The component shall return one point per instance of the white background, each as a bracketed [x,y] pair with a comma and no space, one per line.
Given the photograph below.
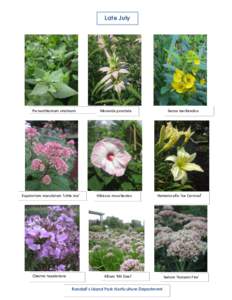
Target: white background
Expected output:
[73,16]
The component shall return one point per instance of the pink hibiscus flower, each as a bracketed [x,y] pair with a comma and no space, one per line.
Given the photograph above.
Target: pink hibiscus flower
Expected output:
[110,155]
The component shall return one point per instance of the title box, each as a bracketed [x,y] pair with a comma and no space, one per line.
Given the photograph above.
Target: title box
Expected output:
[117,18]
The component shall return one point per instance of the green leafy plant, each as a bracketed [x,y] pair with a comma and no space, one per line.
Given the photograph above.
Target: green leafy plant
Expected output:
[51,64]
[124,139]
[176,161]
[180,69]
[114,70]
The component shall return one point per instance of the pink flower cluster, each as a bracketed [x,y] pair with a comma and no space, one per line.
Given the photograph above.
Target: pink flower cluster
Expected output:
[54,155]
[31,133]
[37,165]
[131,265]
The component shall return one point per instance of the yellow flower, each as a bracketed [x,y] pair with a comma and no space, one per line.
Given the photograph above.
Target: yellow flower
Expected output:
[179,87]
[203,81]
[183,82]
[182,165]
[197,61]
[188,133]
[177,77]
[189,81]
[172,140]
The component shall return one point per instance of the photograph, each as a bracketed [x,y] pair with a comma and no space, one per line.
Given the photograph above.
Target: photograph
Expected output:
[180,238]
[182,156]
[52,238]
[115,155]
[180,70]
[114,69]
[116,240]
[51,156]
[51,70]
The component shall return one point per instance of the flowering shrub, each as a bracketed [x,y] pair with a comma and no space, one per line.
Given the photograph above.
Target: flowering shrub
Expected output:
[51,69]
[175,162]
[116,249]
[181,239]
[114,70]
[51,158]
[115,155]
[52,238]
[180,70]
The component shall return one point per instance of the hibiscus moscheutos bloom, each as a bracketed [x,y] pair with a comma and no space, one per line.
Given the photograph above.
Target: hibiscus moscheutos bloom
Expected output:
[109,155]
[183,164]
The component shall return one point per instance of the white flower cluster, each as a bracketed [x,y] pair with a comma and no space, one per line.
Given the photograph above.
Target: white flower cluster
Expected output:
[182,235]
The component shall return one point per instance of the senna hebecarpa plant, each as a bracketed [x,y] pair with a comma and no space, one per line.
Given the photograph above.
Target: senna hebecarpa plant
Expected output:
[180,70]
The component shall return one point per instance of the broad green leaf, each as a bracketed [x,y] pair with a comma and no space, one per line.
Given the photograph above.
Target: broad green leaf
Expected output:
[39,90]
[164,90]
[63,91]
[94,184]
[127,186]
[56,76]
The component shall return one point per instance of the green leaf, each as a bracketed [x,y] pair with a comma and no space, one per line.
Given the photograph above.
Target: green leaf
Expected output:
[107,101]
[164,90]
[95,184]
[56,76]
[134,92]
[137,178]
[39,89]
[63,91]
[126,186]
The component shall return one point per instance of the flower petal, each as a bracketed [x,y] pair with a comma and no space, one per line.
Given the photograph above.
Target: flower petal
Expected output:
[192,167]
[192,157]
[123,158]
[98,154]
[171,158]
[177,173]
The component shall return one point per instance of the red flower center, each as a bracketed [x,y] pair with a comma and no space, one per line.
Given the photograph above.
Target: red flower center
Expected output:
[110,156]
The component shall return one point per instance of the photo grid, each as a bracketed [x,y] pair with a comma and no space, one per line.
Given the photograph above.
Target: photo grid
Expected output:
[92,166]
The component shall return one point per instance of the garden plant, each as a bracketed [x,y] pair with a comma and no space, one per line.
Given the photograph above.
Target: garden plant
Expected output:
[182,156]
[51,156]
[51,238]
[115,156]
[116,246]
[180,69]
[180,238]
[51,69]
[114,70]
